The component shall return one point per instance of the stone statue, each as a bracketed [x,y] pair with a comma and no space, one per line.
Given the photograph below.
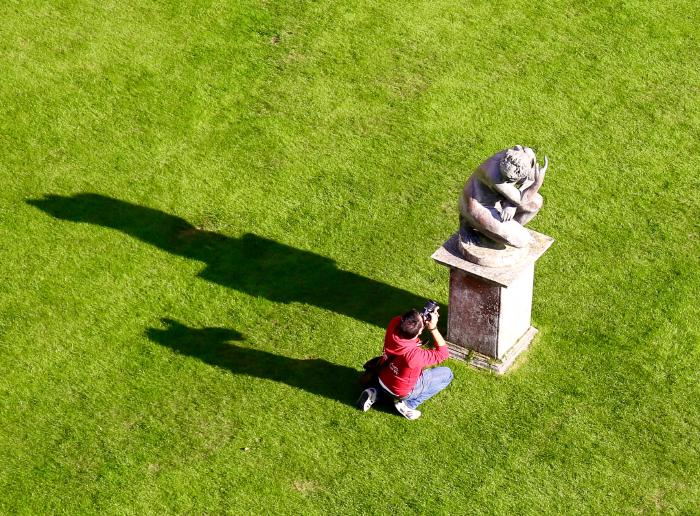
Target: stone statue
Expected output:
[499,198]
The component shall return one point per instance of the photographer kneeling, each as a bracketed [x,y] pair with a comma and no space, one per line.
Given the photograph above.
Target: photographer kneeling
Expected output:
[402,376]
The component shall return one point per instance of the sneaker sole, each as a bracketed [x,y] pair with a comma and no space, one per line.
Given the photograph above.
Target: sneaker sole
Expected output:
[366,401]
[410,414]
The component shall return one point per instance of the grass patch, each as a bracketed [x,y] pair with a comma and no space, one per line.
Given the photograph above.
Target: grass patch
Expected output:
[211,210]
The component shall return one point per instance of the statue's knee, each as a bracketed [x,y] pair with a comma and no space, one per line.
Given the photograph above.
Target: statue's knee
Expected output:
[519,241]
[534,204]
[530,209]
[515,235]
[537,202]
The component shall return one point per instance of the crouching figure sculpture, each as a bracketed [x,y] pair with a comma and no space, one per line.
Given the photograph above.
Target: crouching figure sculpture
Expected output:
[499,198]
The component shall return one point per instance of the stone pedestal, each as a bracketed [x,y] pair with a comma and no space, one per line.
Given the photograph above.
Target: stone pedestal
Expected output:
[488,322]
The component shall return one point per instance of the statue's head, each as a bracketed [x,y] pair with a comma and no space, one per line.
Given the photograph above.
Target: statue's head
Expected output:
[518,163]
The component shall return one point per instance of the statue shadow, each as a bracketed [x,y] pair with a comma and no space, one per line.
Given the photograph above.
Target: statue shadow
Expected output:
[213,346]
[252,264]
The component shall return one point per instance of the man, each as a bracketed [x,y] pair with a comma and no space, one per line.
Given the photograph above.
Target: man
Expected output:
[402,376]
[502,195]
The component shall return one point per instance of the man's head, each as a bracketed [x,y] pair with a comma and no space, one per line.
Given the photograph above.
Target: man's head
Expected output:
[411,324]
[518,163]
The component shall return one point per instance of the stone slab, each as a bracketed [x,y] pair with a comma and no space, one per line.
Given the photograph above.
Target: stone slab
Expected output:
[448,254]
[481,361]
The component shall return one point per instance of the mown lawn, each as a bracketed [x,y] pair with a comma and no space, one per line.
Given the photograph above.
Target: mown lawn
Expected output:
[210,210]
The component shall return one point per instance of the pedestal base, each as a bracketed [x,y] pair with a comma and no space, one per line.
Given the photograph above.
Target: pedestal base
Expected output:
[488,321]
[499,366]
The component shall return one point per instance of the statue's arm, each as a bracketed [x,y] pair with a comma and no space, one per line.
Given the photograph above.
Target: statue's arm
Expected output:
[509,192]
[534,187]
[526,184]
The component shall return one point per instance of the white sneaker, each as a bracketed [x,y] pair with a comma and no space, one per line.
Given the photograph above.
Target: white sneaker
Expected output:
[407,411]
[367,399]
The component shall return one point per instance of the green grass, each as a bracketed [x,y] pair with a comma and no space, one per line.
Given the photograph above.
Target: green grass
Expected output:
[211,209]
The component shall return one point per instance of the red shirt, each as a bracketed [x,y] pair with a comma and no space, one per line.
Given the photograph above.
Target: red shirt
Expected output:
[409,359]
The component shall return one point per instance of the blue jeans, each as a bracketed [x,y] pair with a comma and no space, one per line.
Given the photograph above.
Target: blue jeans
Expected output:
[430,382]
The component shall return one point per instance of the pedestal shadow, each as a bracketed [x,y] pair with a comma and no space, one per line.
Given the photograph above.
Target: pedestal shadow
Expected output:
[251,264]
[213,346]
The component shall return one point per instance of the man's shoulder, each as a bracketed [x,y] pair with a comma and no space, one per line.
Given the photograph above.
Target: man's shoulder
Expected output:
[391,327]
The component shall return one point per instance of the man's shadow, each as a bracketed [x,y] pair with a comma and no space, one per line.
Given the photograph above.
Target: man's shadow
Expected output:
[251,264]
[213,346]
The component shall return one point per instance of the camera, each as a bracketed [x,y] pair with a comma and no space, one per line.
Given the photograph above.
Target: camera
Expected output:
[429,308]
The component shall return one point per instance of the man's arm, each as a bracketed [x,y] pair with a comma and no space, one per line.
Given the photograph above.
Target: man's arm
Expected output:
[420,357]
[432,328]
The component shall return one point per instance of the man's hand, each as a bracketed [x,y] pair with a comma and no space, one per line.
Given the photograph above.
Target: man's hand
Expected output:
[432,326]
[432,323]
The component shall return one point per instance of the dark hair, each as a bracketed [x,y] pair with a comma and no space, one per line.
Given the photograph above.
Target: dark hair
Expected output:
[411,324]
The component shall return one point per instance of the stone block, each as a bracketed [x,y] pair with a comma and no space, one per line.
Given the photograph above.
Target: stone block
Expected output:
[490,307]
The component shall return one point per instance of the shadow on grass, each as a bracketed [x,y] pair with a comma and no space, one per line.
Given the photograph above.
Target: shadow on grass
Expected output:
[213,346]
[251,264]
